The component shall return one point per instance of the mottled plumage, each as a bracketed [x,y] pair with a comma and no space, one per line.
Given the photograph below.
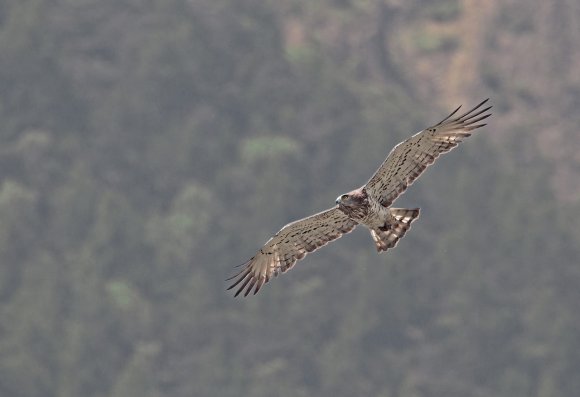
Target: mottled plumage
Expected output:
[368,205]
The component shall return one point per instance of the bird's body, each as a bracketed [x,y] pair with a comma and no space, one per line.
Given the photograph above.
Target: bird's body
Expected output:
[369,205]
[364,209]
[387,225]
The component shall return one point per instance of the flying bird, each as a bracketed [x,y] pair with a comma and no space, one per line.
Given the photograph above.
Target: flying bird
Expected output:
[369,205]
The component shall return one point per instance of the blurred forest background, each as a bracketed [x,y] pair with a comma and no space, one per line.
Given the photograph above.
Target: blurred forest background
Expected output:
[148,146]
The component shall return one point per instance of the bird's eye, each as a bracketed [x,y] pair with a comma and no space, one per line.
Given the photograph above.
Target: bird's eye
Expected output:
[344,197]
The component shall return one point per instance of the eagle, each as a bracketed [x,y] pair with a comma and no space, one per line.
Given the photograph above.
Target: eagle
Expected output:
[369,205]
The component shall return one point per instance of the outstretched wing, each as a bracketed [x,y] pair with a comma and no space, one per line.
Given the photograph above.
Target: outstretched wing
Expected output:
[289,245]
[409,158]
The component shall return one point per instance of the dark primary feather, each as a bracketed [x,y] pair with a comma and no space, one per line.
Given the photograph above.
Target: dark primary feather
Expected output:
[411,157]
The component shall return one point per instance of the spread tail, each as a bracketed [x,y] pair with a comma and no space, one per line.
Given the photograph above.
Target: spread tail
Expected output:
[389,236]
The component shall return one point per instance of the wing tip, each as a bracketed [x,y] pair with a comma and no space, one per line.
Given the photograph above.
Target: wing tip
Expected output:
[450,115]
[467,120]
[462,118]
[249,281]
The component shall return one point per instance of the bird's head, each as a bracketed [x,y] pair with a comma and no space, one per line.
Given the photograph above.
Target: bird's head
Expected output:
[351,199]
[343,199]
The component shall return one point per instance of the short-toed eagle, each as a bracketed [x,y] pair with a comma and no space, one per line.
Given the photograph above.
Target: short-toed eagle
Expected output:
[369,205]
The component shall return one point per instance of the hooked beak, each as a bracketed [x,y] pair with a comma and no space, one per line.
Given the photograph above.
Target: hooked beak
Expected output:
[337,200]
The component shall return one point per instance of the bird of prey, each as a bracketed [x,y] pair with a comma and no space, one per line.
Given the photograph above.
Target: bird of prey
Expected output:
[369,205]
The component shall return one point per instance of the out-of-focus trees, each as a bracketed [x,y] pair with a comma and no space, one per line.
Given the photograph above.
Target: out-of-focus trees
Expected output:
[149,146]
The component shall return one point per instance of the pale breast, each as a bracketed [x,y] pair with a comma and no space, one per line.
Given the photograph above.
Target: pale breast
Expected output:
[371,214]
[376,215]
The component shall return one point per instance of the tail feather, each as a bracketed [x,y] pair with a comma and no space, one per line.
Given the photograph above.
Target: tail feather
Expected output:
[385,239]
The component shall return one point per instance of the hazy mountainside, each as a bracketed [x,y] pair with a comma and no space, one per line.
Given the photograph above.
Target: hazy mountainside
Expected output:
[525,55]
[151,145]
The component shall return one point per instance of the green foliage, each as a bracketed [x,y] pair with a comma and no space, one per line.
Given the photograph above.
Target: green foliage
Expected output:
[267,147]
[430,42]
[442,10]
[516,18]
[150,146]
